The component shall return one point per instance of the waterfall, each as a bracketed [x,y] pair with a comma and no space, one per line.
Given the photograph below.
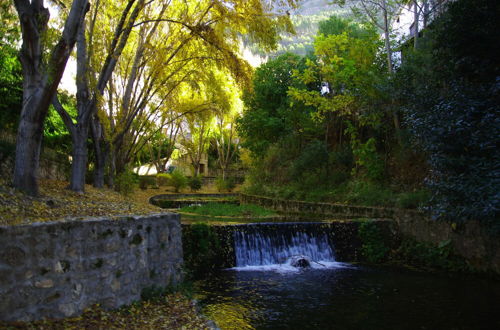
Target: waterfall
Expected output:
[278,244]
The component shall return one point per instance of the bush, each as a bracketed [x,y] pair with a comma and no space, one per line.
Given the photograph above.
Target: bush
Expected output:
[225,184]
[427,255]
[369,194]
[195,183]
[145,182]
[162,179]
[413,200]
[178,180]
[125,183]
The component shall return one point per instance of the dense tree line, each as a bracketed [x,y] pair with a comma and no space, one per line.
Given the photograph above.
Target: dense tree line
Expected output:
[350,123]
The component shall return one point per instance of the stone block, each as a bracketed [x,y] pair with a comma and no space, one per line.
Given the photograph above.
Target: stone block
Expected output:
[44,284]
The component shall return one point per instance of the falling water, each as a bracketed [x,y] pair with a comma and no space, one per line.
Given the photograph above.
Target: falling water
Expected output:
[278,245]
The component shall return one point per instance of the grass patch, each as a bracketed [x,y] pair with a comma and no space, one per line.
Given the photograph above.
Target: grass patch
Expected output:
[229,210]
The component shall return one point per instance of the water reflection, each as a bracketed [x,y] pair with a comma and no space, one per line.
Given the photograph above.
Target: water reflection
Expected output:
[349,298]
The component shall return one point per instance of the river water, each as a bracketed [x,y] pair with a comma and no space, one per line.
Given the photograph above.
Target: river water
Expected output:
[348,297]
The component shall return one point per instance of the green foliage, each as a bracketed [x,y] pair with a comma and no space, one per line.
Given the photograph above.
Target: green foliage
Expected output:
[56,135]
[125,183]
[313,158]
[450,89]
[429,256]
[200,245]
[11,91]
[195,183]
[414,199]
[368,194]
[268,115]
[228,209]
[373,247]
[162,179]
[178,180]
[227,184]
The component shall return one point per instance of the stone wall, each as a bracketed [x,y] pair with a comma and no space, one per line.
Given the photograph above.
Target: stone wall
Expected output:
[471,241]
[336,211]
[57,269]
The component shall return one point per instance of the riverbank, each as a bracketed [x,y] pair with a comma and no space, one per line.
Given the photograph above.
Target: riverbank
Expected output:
[172,311]
[56,202]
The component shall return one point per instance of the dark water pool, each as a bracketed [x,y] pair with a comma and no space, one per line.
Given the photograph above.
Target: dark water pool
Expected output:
[349,298]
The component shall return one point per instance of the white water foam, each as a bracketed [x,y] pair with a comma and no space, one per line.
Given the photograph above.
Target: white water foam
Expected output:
[288,268]
[274,250]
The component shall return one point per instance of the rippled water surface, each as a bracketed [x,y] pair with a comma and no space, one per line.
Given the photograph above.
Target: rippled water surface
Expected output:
[352,297]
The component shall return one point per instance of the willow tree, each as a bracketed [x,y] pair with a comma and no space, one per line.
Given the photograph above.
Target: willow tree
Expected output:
[41,76]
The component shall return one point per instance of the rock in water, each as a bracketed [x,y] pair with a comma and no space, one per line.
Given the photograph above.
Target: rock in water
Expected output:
[300,262]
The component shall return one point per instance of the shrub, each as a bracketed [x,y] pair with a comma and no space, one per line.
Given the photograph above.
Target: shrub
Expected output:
[413,200]
[225,184]
[369,194]
[178,180]
[145,182]
[125,183]
[195,183]
[162,179]
[427,255]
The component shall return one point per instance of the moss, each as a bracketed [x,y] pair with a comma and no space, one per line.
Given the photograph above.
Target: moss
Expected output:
[425,255]
[374,248]
[201,250]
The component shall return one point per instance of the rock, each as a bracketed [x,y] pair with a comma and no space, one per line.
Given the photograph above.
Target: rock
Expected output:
[300,262]
[44,284]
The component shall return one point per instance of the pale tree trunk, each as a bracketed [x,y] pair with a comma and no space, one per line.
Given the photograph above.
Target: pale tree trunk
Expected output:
[415,23]
[387,37]
[79,154]
[112,169]
[40,83]
[100,149]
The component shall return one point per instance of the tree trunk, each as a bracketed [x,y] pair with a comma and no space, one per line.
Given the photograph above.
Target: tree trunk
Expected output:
[111,170]
[415,24]
[40,80]
[28,146]
[100,153]
[79,154]
[388,49]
